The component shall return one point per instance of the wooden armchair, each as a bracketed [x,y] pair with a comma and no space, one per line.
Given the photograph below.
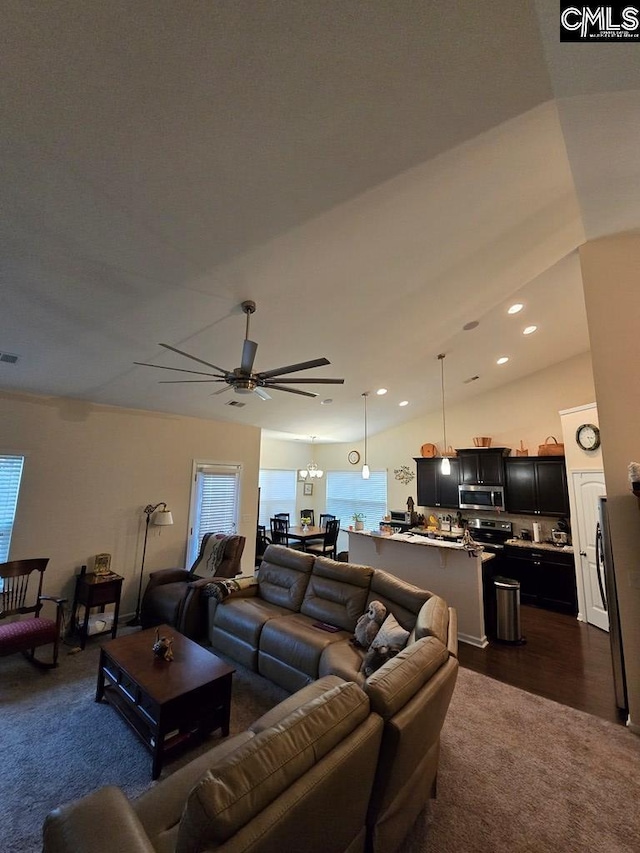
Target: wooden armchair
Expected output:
[21,595]
[172,596]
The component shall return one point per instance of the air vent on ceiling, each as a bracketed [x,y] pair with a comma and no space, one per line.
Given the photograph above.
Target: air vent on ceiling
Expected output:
[236,403]
[8,357]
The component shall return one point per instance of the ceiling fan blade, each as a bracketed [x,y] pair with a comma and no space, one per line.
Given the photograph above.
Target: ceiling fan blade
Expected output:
[184,381]
[293,368]
[193,357]
[221,391]
[262,393]
[249,349]
[291,390]
[314,381]
[179,369]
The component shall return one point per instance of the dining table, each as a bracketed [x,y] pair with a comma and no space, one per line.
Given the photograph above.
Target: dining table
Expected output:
[305,534]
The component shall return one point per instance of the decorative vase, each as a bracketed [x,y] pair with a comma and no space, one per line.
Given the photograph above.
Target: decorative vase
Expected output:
[359,525]
[305,528]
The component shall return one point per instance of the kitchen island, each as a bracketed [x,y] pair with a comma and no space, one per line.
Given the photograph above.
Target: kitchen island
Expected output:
[443,567]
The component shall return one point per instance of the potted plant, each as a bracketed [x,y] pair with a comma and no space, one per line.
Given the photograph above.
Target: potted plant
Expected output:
[306,521]
[358,520]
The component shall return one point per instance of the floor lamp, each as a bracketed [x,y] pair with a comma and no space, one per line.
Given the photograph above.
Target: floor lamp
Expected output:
[162,519]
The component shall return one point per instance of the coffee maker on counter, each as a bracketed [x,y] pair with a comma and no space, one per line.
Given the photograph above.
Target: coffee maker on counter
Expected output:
[560,533]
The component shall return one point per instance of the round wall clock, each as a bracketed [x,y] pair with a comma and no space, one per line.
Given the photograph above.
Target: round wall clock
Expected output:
[588,437]
[353,457]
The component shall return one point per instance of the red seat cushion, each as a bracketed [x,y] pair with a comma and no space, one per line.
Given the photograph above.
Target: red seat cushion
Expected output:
[26,634]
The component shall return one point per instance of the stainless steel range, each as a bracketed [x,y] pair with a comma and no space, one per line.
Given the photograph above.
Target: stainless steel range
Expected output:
[489,533]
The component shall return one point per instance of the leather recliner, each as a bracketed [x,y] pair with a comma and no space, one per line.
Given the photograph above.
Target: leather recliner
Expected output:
[173,596]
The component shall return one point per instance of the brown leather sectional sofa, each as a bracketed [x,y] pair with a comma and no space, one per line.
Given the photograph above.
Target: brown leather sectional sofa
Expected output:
[343,765]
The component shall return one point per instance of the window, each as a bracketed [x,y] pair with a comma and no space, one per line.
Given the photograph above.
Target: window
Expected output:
[10,476]
[214,503]
[277,494]
[348,493]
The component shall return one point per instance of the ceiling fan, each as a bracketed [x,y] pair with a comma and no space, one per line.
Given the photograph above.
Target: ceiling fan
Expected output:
[242,379]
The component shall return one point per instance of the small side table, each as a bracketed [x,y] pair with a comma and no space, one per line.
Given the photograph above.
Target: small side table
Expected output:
[94,590]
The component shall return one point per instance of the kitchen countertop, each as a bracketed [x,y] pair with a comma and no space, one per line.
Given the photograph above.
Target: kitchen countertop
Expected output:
[539,546]
[420,539]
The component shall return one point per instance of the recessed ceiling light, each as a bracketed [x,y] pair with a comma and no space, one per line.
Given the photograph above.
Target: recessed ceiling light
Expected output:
[404,403]
[326,402]
[472,325]
[529,330]
[381,391]
[503,359]
[515,308]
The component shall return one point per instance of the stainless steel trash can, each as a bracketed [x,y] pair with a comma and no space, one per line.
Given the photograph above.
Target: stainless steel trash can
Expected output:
[508,610]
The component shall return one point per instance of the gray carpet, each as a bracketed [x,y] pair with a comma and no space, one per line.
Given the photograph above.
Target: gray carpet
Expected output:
[517,772]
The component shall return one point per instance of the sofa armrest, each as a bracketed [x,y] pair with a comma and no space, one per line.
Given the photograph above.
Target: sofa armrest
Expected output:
[99,823]
[452,642]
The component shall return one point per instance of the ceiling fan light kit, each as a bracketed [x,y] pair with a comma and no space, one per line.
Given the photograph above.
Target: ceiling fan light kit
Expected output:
[243,379]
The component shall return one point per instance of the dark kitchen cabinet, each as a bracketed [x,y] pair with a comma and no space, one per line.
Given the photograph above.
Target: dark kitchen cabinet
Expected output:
[536,485]
[435,488]
[547,578]
[483,466]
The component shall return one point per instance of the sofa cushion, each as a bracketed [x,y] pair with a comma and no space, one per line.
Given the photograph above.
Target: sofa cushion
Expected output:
[391,687]
[342,659]
[292,703]
[433,620]
[283,576]
[230,794]
[402,599]
[244,618]
[297,641]
[337,592]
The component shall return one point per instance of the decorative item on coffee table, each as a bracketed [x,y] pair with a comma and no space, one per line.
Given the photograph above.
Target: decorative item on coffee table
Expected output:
[163,647]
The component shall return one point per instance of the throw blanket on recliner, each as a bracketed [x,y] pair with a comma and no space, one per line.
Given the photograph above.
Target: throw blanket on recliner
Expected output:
[212,556]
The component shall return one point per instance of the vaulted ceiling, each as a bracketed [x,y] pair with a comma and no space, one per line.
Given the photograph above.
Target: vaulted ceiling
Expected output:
[374,175]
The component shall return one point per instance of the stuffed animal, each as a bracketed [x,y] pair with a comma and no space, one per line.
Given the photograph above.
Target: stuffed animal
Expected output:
[369,624]
[163,647]
[375,657]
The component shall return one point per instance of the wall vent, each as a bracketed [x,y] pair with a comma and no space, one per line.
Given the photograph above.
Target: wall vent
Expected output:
[8,357]
[235,403]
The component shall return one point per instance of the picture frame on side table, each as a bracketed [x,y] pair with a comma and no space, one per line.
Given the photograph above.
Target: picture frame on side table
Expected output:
[307,489]
[102,564]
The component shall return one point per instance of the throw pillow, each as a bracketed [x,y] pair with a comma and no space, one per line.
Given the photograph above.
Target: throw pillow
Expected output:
[391,634]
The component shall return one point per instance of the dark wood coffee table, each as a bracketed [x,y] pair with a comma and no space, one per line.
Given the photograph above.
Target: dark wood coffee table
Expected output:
[167,703]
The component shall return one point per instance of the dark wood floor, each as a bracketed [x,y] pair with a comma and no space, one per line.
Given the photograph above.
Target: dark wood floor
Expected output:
[563,659]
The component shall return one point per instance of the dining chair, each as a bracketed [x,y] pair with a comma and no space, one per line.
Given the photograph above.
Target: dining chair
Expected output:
[283,515]
[324,517]
[262,541]
[308,513]
[279,528]
[327,548]
[21,595]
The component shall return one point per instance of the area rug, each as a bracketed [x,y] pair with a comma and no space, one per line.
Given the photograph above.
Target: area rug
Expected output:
[518,773]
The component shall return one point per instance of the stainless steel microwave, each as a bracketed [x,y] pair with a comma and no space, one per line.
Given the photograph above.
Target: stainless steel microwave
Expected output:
[481,497]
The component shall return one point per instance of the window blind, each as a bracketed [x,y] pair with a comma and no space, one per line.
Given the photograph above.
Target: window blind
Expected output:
[277,494]
[215,504]
[10,476]
[348,493]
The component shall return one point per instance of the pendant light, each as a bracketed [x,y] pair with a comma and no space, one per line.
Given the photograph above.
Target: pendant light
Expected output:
[365,468]
[446,465]
[312,469]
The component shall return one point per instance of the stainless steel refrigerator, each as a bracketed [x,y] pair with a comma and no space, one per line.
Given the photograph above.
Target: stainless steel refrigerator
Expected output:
[608,593]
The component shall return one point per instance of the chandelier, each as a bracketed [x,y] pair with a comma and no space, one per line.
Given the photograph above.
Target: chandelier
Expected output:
[312,469]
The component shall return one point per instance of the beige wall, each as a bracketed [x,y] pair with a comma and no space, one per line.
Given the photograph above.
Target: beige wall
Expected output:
[527,409]
[612,297]
[89,472]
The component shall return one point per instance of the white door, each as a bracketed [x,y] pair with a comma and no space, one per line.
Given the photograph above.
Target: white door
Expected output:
[587,488]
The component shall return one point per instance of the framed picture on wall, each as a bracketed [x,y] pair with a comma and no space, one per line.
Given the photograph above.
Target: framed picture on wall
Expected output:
[307,489]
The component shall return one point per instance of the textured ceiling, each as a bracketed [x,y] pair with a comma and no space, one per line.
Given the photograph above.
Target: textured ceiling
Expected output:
[374,176]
